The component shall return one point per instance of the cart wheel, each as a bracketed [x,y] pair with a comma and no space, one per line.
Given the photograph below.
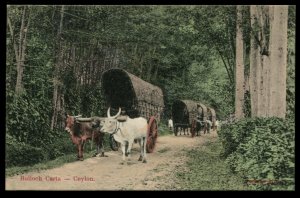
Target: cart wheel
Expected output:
[114,145]
[151,134]
[193,128]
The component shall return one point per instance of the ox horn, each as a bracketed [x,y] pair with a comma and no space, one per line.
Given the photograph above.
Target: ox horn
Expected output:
[84,119]
[108,113]
[78,116]
[117,113]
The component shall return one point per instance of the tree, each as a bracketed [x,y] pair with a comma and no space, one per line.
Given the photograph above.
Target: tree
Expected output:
[57,97]
[20,45]
[268,60]
[239,71]
[278,64]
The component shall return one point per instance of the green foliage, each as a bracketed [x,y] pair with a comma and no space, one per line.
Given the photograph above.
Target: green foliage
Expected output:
[19,153]
[26,120]
[163,128]
[61,145]
[261,148]
[205,170]
[291,65]
[247,105]
[59,161]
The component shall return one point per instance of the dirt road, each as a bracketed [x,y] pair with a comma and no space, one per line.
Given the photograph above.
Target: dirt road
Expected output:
[108,174]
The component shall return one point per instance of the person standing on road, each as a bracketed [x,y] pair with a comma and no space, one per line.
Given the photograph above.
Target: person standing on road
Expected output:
[170,124]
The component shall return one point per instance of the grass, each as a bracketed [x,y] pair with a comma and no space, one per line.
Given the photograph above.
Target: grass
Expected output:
[205,170]
[163,129]
[164,150]
[16,170]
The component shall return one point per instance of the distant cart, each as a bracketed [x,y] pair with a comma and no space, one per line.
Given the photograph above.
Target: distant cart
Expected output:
[137,97]
[184,114]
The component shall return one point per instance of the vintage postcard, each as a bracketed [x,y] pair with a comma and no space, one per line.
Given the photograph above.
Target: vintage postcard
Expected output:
[150,97]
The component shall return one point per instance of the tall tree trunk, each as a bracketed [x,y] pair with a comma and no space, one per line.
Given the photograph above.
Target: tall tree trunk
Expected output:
[56,80]
[268,66]
[268,60]
[263,71]
[20,48]
[278,53]
[259,60]
[239,71]
[254,54]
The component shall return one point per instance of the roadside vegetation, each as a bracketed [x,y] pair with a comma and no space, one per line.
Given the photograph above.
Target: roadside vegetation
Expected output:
[262,150]
[206,170]
[251,154]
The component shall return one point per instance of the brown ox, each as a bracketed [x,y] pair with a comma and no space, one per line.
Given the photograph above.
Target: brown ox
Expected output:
[80,132]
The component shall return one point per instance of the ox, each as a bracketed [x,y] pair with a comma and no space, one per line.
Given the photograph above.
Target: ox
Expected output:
[199,126]
[209,125]
[126,132]
[82,131]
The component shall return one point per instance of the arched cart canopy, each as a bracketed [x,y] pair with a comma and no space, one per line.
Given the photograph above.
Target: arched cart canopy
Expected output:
[184,111]
[211,114]
[136,96]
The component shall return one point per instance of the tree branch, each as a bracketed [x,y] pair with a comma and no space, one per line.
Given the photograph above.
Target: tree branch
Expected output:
[25,38]
[21,33]
[13,39]
[226,67]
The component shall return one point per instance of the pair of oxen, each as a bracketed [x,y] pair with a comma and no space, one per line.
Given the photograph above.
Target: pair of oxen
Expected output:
[124,131]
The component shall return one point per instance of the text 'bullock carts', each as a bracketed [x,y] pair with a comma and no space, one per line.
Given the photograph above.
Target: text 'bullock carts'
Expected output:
[136,97]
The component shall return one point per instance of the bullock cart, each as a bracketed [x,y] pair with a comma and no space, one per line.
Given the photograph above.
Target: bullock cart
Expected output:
[184,114]
[136,97]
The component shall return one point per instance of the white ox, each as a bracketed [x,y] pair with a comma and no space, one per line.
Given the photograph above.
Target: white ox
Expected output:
[126,132]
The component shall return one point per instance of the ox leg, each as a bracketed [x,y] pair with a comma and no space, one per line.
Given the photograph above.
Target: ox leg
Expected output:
[126,148]
[141,146]
[124,152]
[129,150]
[96,141]
[144,149]
[100,146]
[80,151]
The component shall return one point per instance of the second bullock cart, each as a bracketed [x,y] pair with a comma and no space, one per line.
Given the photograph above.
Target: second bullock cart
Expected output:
[184,114]
[136,97]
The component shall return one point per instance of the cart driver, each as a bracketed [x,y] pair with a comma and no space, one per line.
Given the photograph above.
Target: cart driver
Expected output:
[170,124]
